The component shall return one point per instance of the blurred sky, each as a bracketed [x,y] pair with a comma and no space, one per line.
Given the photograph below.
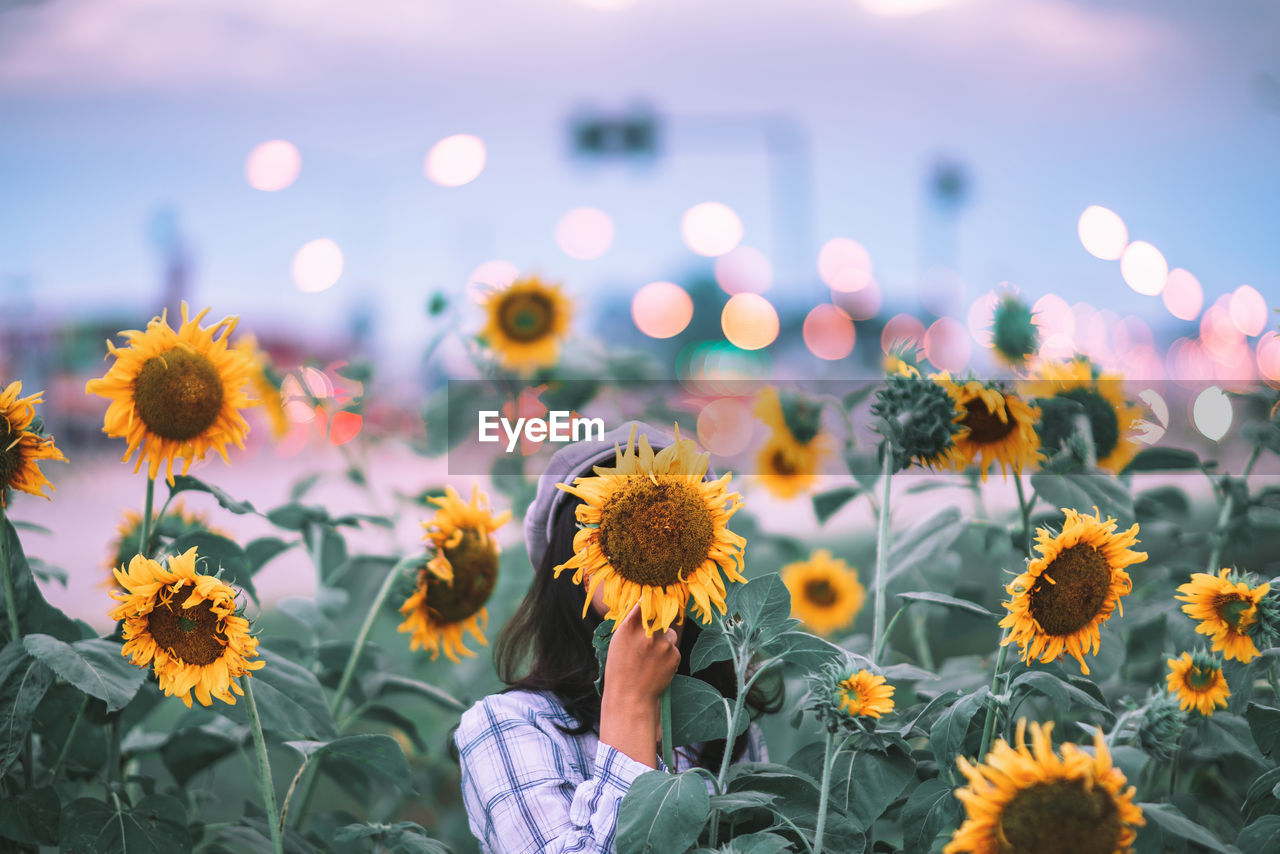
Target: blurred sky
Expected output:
[111,109]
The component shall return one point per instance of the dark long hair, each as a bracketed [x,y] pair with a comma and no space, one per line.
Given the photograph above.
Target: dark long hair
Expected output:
[546,646]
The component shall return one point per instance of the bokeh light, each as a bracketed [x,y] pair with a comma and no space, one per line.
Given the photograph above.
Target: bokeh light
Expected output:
[661,309]
[1218,332]
[1182,294]
[859,305]
[492,275]
[829,332]
[1269,356]
[744,270]
[725,426]
[1132,334]
[946,344]
[1212,413]
[941,291]
[844,265]
[902,329]
[749,321]
[982,314]
[344,426]
[272,165]
[584,233]
[1102,232]
[1248,310]
[317,266]
[711,229]
[455,160]
[1057,326]
[1144,268]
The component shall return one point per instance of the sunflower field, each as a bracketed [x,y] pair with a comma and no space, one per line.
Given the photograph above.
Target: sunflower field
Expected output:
[1004,614]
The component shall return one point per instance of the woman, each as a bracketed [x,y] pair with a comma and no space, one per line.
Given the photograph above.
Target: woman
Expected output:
[546,763]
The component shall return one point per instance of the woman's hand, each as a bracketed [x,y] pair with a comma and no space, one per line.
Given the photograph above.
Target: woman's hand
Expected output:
[637,671]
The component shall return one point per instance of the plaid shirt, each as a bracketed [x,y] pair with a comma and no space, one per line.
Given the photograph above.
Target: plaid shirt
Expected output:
[529,787]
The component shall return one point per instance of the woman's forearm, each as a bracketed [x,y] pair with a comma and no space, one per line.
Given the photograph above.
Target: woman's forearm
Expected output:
[629,724]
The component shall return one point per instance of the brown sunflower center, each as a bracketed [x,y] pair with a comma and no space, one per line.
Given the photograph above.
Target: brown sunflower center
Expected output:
[178,394]
[820,592]
[1080,582]
[656,533]
[1062,817]
[526,316]
[475,573]
[191,634]
[780,463]
[985,427]
[10,457]
[1202,678]
[1235,611]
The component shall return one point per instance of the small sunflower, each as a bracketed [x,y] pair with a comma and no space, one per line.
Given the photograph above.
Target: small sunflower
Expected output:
[21,448]
[918,420]
[825,592]
[790,457]
[1068,592]
[864,694]
[1109,413]
[1198,682]
[652,530]
[176,393]
[1033,801]
[175,523]
[1001,427]
[186,625]
[1227,608]
[1014,334]
[457,581]
[526,322]
[266,384]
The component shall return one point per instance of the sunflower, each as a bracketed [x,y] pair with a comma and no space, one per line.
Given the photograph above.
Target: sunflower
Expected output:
[176,393]
[1227,608]
[825,592]
[652,530]
[1198,682]
[1071,589]
[1033,801]
[796,446]
[918,419]
[864,694]
[526,322]
[186,624]
[1109,413]
[1001,426]
[266,384]
[1015,337]
[458,579]
[175,523]
[21,448]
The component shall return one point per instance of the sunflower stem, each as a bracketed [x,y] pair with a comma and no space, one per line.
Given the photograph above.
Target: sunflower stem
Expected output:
[1024,509]
[989,723]
[66,745]
[888,631]
[664,714]
[882,556]
[824,792]
[363,636]
[144,530]
[1224,516]
[10,605]
[265,786]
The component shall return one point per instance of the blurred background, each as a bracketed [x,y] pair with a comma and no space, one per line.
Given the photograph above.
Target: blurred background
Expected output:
[785,187]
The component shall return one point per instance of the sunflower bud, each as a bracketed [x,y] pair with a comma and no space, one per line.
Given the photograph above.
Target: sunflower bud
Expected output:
[919,420]
[1160,725]
[843,694]
[1014,335]
[802,416]
[1267,627]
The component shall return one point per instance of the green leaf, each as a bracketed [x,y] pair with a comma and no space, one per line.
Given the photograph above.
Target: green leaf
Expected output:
[294,516]
[264,549]
[1058,690]
[24,679]
[710,647]
[925,539]
[732,802]
[186,483]
[1163,459]
[191,750]
[600,639]
[332,550]
[381,684]
[1083,491]
[290,700]
[662,813]
[35,614]
[827,504]
[31,817]
[931,809]
[951,727]
[1264,723]
[949,601]
[1261,789]
[157,825]
[801,649]
[1171,819]
[759,843]
[380,753]
[698,713]
[404,837]
[302,486]
[1261,837]
[218,553]
[763,603]
[94,666]
[866,782]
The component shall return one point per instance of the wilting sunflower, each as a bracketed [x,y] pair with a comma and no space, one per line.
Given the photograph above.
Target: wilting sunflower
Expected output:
[652,530]
[825,592]
[176,393]
[1001,427]
[175,523]
[864,694]
[459,577]
[1071,589]
[266,384]
[1033,801]
[790,457]
[526,322]
[21,448]
[1227,608]
[186,625]
[1198,682]
[1109,413]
